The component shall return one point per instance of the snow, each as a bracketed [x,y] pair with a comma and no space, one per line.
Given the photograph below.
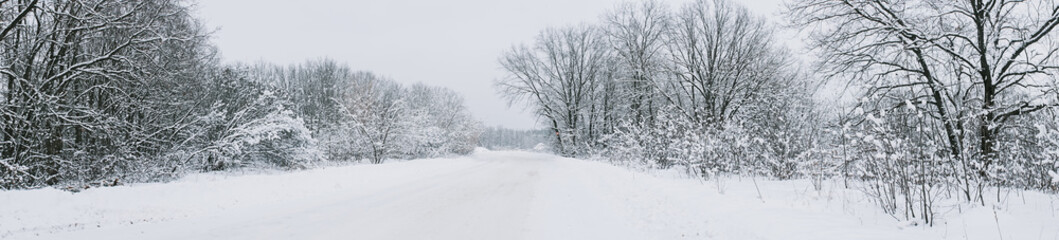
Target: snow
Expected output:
[495,195]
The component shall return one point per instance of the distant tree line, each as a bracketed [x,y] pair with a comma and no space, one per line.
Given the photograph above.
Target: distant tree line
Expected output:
[100,92]
[499,138]
[951,97]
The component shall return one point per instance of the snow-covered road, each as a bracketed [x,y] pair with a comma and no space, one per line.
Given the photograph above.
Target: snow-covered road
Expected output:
[489,195]
[477,200]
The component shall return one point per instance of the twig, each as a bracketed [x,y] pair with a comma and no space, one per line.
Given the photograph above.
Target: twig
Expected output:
[997,219]
[754,179]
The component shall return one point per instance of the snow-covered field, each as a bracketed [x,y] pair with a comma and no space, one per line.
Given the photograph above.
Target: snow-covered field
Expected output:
[494,195]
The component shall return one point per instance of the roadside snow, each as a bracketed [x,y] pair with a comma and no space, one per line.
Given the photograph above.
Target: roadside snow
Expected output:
[494,195]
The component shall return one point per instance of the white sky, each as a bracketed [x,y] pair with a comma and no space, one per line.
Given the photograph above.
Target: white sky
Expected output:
[452,43]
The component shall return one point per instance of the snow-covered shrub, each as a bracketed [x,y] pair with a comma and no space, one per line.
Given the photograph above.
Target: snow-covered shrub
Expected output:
[626,145]
[1048,163]
[340,143]
[1026,153]
[250,125]
[277,139]
[900,162]
[542,148]
[673,140]
[670,141]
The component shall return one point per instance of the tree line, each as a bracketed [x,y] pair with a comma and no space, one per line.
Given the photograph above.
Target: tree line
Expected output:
[101,92]
[694,86]
[500,138]
[951,98]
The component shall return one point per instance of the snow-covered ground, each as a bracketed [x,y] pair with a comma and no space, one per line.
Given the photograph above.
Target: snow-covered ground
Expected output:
[493,195]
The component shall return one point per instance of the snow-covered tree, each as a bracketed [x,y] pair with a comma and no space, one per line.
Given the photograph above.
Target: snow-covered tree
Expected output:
[376,111]
[95,88]
[563,77]
[975,69]
[441,123]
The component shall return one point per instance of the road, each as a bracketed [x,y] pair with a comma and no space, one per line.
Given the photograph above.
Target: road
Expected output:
[496,196]
[489,195]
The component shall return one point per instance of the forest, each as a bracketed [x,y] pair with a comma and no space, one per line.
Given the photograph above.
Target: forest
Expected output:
[107,92]
[948,98]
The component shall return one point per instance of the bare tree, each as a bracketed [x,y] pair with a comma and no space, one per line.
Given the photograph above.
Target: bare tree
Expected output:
[723,58]
[637,33]
[562,77]
[973,65]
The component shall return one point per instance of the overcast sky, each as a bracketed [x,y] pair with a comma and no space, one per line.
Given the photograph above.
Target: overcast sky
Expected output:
[452,43]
